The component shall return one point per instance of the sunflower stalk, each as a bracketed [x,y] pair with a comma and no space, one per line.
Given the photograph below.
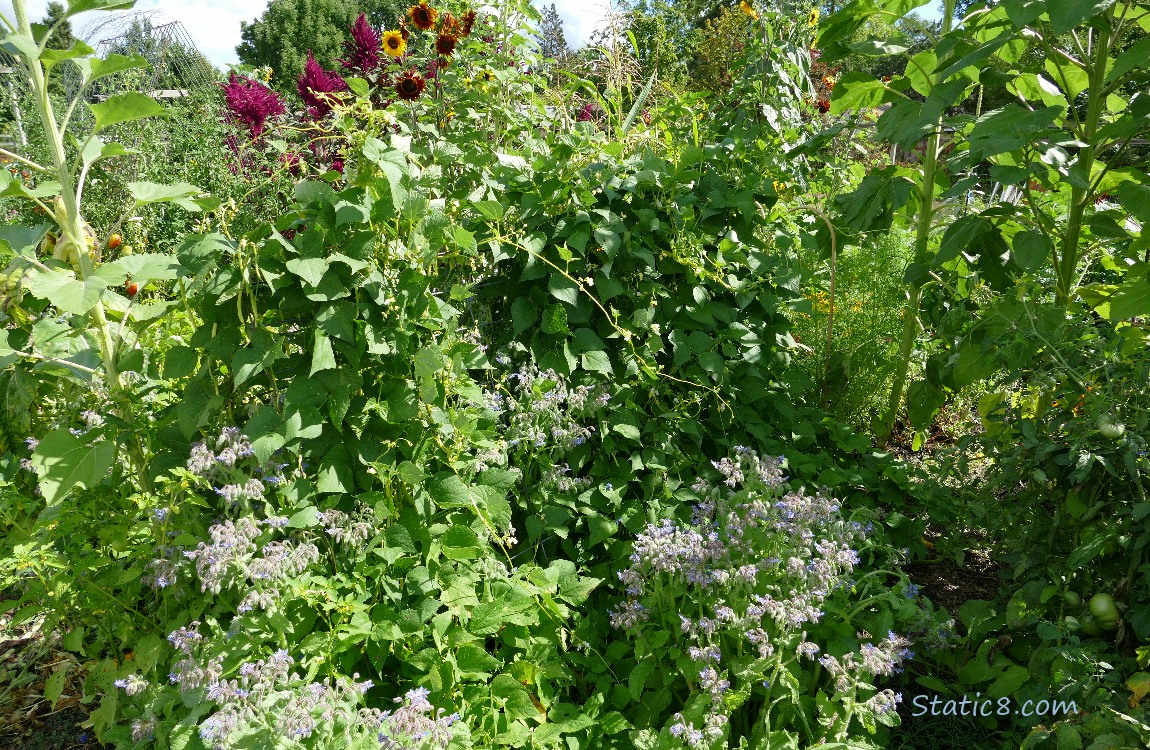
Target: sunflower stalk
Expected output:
[925,220]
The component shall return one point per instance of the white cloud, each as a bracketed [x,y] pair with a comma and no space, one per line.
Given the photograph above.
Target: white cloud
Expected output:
[580,18]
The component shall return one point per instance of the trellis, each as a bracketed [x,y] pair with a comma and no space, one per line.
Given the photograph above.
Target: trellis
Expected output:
[167,47]
[8,72]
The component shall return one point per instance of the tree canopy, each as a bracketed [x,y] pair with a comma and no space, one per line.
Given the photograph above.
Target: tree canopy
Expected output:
[288,29]
[63,37]
[552,38]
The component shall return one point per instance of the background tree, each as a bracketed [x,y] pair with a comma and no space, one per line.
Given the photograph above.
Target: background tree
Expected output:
[282,36]
[552,39]
[668,36]
[62,38]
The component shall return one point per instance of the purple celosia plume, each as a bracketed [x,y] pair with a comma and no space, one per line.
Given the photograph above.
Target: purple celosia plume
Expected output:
[363,49]
[251,103]
[316,87]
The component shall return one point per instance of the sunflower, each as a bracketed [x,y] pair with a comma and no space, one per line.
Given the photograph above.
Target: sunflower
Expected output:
[468,22]
[813,18]
[449,26]
[394,44]
[445,44]
[423,16]
[410,85]
[749,10]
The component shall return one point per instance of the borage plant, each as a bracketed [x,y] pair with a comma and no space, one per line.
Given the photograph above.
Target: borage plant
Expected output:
[744,597]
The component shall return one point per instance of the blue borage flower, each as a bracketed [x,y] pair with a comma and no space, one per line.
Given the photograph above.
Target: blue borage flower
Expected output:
[716,565]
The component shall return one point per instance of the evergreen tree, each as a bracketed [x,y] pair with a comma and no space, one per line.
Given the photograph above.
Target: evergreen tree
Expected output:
[62,37]
[282,36]
[552,39]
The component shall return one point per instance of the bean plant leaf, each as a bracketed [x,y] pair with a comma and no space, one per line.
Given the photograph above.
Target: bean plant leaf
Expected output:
[125,108]
[555,320]
[63,461]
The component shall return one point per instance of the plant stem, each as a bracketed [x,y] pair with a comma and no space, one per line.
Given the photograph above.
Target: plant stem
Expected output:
[1081,196]
[910,324]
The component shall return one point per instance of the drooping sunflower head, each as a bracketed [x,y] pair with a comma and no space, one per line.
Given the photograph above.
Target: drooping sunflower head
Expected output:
[394,45]
[409,85]
[445,44]
[468,22]
[422,16]
[449,25]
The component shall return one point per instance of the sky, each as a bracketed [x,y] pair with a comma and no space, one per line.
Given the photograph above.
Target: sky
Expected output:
[214,25]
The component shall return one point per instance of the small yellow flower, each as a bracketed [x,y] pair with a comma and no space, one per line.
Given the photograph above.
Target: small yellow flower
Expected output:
[813,18]
[394,45]
[749,9]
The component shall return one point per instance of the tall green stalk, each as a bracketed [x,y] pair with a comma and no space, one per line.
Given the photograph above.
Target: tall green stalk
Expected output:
[924,222]
[71,224]
[1081,195]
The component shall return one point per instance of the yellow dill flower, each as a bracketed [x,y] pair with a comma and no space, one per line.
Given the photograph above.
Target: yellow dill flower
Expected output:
[748,9]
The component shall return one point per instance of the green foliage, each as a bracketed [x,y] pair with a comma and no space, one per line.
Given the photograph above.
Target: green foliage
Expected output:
[288,29]
[408,421]
[56,17]
[1033,309]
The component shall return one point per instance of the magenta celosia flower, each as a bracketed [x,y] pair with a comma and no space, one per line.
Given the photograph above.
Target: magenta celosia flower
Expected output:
[250,103]
[317,86]
[363,49]
[586,114]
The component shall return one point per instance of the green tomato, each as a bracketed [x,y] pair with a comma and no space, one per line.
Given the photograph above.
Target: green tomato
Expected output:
[1109,428]
[1071,598]
[1088,625]
[1104,609]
